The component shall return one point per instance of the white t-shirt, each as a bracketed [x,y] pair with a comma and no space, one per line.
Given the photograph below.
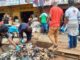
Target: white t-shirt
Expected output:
[35,26]
[72,15]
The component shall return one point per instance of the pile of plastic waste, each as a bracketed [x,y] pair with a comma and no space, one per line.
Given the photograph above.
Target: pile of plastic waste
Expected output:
[28,52]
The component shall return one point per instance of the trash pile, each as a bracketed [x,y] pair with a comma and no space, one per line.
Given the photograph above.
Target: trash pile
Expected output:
[28,52]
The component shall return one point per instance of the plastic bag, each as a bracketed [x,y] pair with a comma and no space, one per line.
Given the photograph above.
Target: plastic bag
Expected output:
[63,28]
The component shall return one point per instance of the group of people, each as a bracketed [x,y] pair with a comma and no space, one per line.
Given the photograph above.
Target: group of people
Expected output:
[71,20]
[49,23]
[8,31]
[39,24]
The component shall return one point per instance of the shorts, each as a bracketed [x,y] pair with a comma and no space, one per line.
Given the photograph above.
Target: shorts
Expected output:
[10,35]
[2,36]
[5,35]
[53,31]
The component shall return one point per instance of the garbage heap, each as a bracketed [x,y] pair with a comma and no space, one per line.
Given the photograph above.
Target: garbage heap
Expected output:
[29,52]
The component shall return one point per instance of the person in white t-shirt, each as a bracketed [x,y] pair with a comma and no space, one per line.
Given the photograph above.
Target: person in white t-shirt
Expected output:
[35,27]
[71,19]
[35,24]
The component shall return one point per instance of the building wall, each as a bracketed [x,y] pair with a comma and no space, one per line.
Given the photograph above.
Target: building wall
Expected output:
[15,10]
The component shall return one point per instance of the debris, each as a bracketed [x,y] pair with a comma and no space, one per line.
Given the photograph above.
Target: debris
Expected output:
[28,52]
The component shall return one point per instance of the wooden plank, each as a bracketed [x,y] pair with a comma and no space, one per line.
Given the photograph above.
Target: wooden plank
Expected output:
[66,55]
[71,52]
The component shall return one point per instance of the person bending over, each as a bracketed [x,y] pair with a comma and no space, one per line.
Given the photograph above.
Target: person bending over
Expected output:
[25,28]
[4,32]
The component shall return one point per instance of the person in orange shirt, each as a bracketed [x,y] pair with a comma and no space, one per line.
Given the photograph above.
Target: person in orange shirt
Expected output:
[55,16]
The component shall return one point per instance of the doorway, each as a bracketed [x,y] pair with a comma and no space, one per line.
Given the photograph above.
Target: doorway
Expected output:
[25,15]
[1,16]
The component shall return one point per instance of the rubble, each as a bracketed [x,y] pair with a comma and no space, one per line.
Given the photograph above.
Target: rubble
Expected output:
[29,52]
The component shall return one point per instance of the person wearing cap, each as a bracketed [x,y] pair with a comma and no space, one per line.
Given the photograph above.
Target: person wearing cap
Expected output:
[71,19]
[55,17]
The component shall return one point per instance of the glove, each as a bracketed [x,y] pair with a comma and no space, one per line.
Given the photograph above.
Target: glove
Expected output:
[18,48]
[22,41]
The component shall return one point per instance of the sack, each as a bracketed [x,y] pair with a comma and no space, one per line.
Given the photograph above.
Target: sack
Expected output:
[63,28]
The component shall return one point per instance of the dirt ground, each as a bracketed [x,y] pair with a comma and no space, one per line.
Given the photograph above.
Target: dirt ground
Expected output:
[63,43]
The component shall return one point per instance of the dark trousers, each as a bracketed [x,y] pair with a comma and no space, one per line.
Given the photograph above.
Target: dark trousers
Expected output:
[44,27]
[28,34]
[0,40]
[72,41]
